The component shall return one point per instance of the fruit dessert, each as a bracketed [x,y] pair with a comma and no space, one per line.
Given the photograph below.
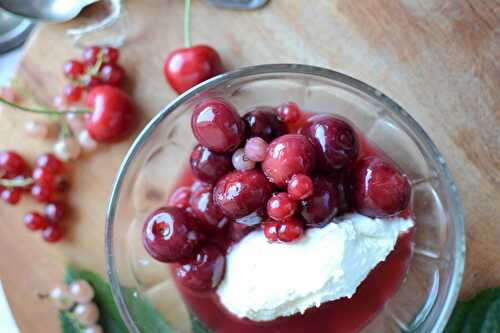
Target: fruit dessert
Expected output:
[285,221]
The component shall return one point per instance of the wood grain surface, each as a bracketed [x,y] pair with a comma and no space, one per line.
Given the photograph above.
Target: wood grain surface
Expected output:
[439,59]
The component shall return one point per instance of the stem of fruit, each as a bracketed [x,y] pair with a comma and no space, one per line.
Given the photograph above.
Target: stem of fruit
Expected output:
[42,111]
[10,183]
[187,25]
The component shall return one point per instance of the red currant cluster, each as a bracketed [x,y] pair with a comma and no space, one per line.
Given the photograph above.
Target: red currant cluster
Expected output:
[44,184]
[99,66]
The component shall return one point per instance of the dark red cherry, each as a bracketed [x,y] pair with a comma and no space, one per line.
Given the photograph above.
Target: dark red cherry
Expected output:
[205,209]
[12,164]
[322,205]
[379,188]
[180,198]
[263,122]
[288,155]
[217,126]
[205,271]
[241,193]
[238,231]
[209,166]
[35,221]
[334,141]
[290,230]
[281,206]
[167,235]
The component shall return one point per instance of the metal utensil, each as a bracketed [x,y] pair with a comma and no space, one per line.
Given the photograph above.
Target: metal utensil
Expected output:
[238,4]
[46,10]
[13,30]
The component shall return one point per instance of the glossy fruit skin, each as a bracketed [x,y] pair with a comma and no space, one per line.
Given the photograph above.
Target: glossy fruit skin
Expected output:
[217,126]
[54,211]
[111,74]
[379,188]
[209,166]
[51,162]
[288,155]
[241,193]
[300,186]
[44,177]
[186,67]
[52,233]
[288,230]
[35,221]
[271,228]
[113,114]
[72,93]
[73,69]
[167,235]
[110,54]
[205,271]
[281,206]
[12,164]
[322,205]
[289,112]
[180,198]
[11,196]
[334,140]
[208,213]
[263,122]
[237,231]
[90,54]
[41,193]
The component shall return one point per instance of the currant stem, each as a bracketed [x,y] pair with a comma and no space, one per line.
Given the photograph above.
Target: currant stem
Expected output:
[187,25]
[10,183]
[42,111]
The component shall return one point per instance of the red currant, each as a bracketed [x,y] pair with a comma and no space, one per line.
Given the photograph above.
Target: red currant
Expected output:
[290,230]
[41,193]
[52,233]
[11,196]
[289,112]
[271,230]
[90,54]
[12,164]
[50,162]
[43,177]
[73,69]
[111,74]
[180,197]
[300,186]
[110,54]
[281,206]
[54,211]
[35,221]
[72,93]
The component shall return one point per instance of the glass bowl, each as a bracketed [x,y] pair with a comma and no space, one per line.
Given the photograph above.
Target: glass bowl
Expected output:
[160,153]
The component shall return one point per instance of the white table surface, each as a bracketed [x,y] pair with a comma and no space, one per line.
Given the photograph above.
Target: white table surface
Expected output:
[8,63]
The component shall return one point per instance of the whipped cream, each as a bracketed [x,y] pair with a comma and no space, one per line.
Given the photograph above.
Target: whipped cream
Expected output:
[264,281]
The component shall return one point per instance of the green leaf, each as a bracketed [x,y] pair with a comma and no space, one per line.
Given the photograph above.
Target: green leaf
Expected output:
[68,324]
[146,316]
[481,314]
[196,325]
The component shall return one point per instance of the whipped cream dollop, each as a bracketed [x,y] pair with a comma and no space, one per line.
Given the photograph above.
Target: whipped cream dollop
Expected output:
[264,280]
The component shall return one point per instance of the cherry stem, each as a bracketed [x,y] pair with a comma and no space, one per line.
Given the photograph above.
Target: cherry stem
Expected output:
[187,25]
[10,183]
[42,111]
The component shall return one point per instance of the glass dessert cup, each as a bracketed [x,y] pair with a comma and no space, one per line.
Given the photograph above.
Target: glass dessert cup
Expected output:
[160,155]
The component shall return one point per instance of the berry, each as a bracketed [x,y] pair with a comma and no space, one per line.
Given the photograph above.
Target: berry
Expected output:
[241,193]
[81,291]
[379,188]
[111,74]
[334,140]
[300,186]
[90,81]
[217,126]
[110,55]
[54,211]
[206,211]
[255,149]
[271,230]
[209,166]
[52,233]
[238,231]
[73,69]
[180,197]
[290,230]
[184,68]
[43,177]
[35,221]
[12,164]
[11,196]
[60,297]
[289,112]
[41,193]
[87,314]
[281,206]
[113,114]
[322,205]
[72,93]
[263,122]
[37,129]
[288,155]
[167,235]
[90,55]
[241,162]
[67,149]
[205,271]
[50,162]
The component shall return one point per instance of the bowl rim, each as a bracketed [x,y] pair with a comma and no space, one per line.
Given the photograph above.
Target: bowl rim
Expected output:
[392,106]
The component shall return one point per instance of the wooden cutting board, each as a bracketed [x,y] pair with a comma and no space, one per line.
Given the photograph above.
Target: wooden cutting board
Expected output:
[439,59]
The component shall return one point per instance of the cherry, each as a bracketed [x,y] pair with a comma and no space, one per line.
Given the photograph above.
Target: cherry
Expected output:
[50,162]
[90,55]
[72,93]
[290,230]
[35,221]
[180,197]
[44,177]
[11,196]
[110,55]
[344,187]
[113,114]
[52,233]
[111,74]
[281,206]
[168,236]
[206,211]
[241,193]
[288,155]
[54,211]
[186,67]
[379,188]
[217,126]
[263,122]
[322,205]
[209,166]
[205,271]
[199,186]
[300,187]
[12,164]
[73,69]
[42,193]
[334,141]
[289,112]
